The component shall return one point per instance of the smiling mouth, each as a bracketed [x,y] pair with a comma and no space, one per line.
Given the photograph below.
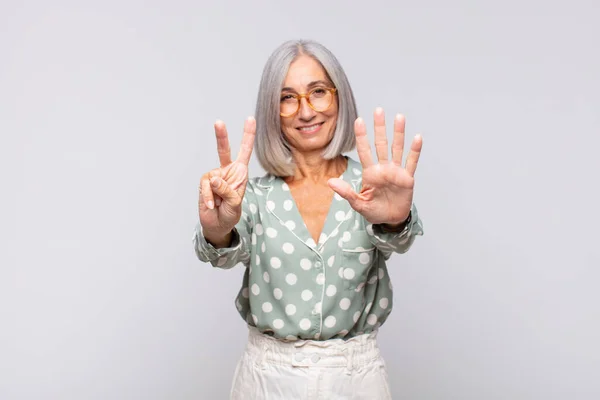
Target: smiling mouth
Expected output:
[311,129]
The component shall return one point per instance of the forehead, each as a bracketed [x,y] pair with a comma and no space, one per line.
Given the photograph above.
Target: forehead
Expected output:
[303,71]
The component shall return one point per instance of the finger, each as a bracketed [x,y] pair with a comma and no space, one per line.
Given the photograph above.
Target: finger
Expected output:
[222,143]
[362,143]
[398,143]
[206,193]
[247,141]
[223,190]
[344,189]
[413,157]
[381,143]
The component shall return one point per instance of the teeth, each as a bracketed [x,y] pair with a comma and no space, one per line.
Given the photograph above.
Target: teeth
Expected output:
[309,128]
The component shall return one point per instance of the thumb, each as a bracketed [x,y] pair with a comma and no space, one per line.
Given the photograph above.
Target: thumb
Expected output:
[344,189]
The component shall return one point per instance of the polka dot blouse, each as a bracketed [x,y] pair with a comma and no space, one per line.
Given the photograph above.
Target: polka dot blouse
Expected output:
[294,288]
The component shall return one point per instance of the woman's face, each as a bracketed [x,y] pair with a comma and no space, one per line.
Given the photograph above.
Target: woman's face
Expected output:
[308,130]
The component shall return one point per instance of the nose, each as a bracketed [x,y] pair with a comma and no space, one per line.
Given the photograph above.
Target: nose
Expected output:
[305,113]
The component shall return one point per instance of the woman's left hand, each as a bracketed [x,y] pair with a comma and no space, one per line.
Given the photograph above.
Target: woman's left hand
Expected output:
[387,187]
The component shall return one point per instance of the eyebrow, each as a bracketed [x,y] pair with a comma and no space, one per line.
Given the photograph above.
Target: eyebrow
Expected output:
[309,86]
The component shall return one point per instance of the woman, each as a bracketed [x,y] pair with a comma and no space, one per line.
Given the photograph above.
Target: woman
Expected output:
[314,233]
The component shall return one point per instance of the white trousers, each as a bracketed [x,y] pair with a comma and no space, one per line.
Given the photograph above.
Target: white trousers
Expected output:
[335,369]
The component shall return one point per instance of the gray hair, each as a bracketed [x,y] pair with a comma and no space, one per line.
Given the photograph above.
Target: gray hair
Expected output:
[271,147]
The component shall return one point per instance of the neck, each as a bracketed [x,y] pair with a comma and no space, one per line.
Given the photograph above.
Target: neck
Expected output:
[312,167]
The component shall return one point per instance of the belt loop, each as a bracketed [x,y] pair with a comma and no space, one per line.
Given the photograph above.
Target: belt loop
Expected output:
[349,360]
[263,354]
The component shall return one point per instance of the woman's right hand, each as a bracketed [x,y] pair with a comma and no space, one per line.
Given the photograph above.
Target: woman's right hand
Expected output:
[222,189]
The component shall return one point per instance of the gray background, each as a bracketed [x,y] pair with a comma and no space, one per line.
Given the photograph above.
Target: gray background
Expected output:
[106,114]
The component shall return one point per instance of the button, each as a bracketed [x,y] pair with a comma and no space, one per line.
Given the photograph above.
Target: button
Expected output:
[315,358]
[318,264]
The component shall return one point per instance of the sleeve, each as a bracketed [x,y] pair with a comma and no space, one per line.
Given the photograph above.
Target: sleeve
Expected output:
[396,242]
[238,251]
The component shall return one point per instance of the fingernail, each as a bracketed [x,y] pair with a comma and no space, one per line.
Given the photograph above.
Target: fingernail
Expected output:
[379,110]
[210,204]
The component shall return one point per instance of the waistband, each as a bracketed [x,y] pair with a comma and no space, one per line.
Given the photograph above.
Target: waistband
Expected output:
[353,353]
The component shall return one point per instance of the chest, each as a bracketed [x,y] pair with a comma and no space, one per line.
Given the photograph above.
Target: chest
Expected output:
[313,204]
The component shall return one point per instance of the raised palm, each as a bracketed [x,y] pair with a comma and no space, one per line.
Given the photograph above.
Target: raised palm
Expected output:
[387,187]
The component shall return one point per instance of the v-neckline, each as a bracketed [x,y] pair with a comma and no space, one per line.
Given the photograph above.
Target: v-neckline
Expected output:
[337,212]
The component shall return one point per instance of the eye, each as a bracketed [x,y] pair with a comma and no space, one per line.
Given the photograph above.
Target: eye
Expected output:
[287,97]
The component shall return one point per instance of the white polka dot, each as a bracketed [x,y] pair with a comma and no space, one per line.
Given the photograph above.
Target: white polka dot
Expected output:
[290,309]
[321,278]
[330,321]
[317,335]
[345,303]
[346,236]
[322,238]
[349,215]
[370,229]
[277,293]
[368,307]
[253,238]
[266,277]
[372,319]
[267,307]
[270,205]
[341,272]
[381,273]
[248,188]
[291,279]
[338,197]
[311,242]
[343,332]
[355,227]
[255,290]
[291,225]
[383,303]
[305,324]
[278,324]
[287,205]
[263,247]
[359,287]
[257,262]
[285,187]
[253,208]
[319,307]
[356,171]
[275,262]
[271,232]
[356,316]
[330,261]
[364,258]
[390,285]
[331,290]
[334,232]
[245,293]
[259,229]
[258,192]
[348,273]
[339,216]
[306,295]
[222,261]
[341,242]
[238,305]
[373,279]
[255,319]
[305,264]
[288,248]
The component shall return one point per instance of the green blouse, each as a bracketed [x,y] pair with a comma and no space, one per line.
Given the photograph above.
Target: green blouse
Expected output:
[294,288]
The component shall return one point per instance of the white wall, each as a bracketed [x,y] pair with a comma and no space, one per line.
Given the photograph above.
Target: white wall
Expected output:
[106,116]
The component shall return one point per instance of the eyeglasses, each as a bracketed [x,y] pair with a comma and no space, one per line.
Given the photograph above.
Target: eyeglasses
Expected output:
[319,99]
